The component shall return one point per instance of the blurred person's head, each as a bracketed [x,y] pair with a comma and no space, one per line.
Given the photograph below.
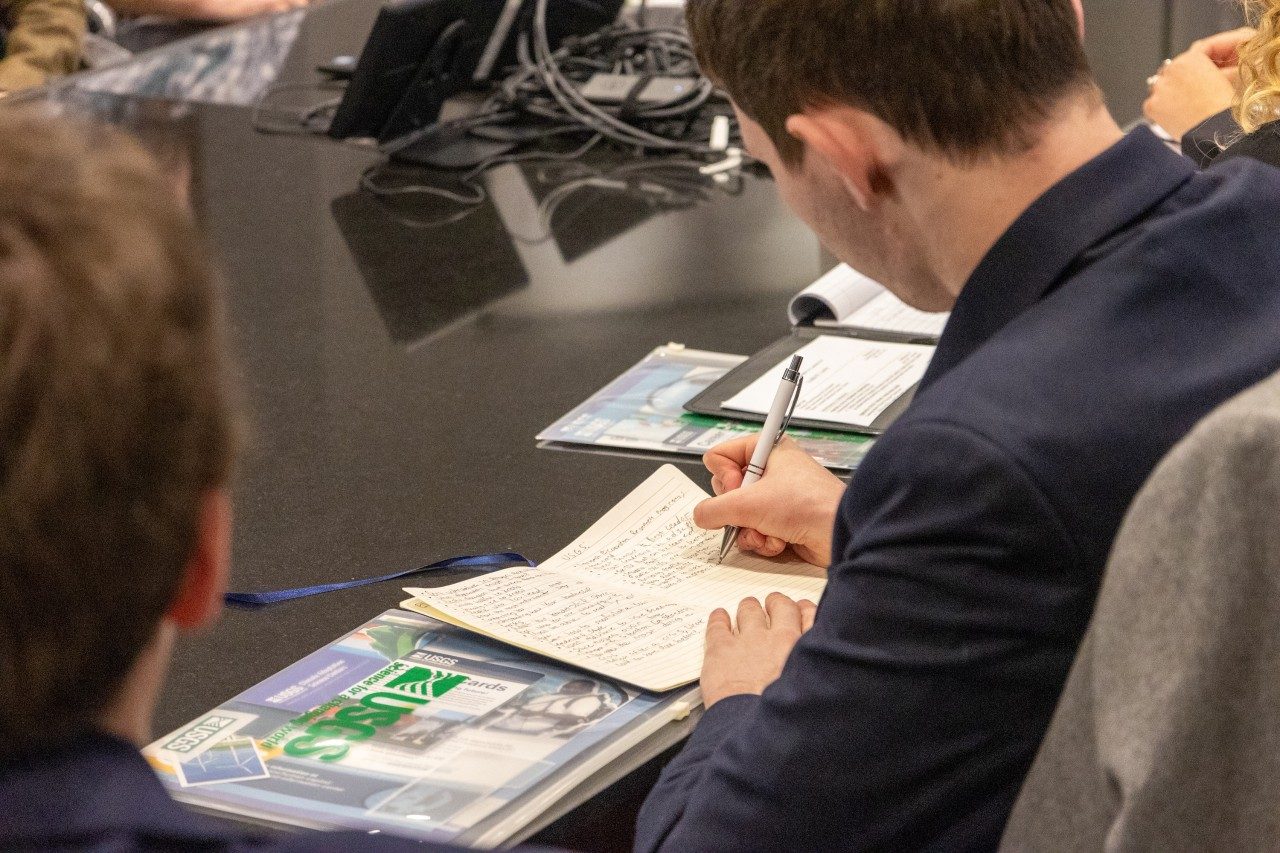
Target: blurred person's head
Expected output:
[865,110]
[117,432]
[1259,101]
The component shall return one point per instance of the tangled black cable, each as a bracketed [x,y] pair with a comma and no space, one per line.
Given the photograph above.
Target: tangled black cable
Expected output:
[549,83]
[311,119]
[468,193]
[546,87]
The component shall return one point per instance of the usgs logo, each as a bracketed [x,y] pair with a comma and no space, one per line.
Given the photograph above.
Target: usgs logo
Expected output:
[432,657]
[189,740]
[331,739]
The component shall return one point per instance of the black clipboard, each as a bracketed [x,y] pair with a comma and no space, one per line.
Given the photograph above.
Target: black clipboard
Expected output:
[709,401]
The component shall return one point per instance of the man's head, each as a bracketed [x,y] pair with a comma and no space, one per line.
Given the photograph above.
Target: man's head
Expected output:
[116,429]
[861,85]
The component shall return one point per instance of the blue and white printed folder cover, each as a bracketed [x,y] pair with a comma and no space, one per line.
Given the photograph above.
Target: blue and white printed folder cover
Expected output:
[412,727]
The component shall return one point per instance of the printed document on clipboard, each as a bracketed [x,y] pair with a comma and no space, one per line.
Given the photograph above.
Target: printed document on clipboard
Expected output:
[642,413]
[848,382]
[864,350]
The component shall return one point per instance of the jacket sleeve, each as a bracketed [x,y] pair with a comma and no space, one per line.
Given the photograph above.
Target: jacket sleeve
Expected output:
[44,40]
[1168,734]
[906,718]
[1205,142]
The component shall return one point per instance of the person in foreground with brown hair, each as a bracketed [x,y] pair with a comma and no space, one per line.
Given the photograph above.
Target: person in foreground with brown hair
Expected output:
[117,438]
[1103,299]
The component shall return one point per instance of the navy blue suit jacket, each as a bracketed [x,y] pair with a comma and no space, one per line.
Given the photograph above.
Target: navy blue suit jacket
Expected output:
[98,794]
[1120,308]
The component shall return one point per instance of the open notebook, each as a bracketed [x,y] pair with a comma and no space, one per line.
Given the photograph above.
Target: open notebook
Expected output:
[629,598]
[846,299]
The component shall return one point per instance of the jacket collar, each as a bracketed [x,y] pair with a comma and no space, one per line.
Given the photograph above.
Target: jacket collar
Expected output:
[1042,246]
[93,785]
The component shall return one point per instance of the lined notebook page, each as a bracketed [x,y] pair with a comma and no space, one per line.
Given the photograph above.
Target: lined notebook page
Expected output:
[630,597]
[649,543]
[641,639]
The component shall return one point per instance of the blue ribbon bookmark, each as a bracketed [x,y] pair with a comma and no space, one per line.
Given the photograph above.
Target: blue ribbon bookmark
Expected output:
[253,600]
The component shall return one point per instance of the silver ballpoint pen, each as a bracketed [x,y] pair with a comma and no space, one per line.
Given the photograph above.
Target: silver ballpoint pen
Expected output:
[775,426]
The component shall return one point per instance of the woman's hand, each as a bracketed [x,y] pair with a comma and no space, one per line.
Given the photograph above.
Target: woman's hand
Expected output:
[1197,84]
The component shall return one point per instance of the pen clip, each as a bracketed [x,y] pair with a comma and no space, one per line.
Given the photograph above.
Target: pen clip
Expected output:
[786,421]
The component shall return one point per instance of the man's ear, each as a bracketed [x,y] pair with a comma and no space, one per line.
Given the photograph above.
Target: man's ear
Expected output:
[851,145]
[198,602]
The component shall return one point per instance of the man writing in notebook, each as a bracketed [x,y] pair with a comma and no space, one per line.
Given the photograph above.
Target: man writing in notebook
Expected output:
[1104,297]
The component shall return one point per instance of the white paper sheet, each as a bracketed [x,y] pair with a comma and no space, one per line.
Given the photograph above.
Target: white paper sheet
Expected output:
[888,313]
[845,298]
[838,293]
[847,381]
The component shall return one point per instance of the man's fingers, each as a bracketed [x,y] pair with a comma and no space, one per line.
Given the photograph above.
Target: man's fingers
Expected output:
[765,546]
[737,508]
[711,513]
[771,547]
[808,610]
[728,460]
[726,481]
[750,540]
[751,616]
[718,624]
[784,614]
[757,542]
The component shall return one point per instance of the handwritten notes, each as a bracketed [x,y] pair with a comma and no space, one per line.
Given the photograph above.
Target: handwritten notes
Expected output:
[629,598]
[847,381]
[627,635]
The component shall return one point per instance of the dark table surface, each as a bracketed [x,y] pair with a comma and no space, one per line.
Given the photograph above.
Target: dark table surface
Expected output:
[395,371]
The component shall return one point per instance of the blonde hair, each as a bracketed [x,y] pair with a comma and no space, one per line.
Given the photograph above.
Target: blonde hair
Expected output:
[1259,101]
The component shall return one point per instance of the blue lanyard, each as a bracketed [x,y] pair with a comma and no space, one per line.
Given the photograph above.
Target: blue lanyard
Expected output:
[252,600]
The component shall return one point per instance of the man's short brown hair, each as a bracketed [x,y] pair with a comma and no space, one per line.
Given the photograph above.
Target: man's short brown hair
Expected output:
[967,78]
[115,418]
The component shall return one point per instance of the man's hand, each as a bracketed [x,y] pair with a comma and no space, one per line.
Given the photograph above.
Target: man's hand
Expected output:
[794,503]
[1198,84]
[749,657]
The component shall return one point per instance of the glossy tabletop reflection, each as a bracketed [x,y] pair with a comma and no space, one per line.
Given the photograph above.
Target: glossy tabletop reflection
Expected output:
[396,366]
